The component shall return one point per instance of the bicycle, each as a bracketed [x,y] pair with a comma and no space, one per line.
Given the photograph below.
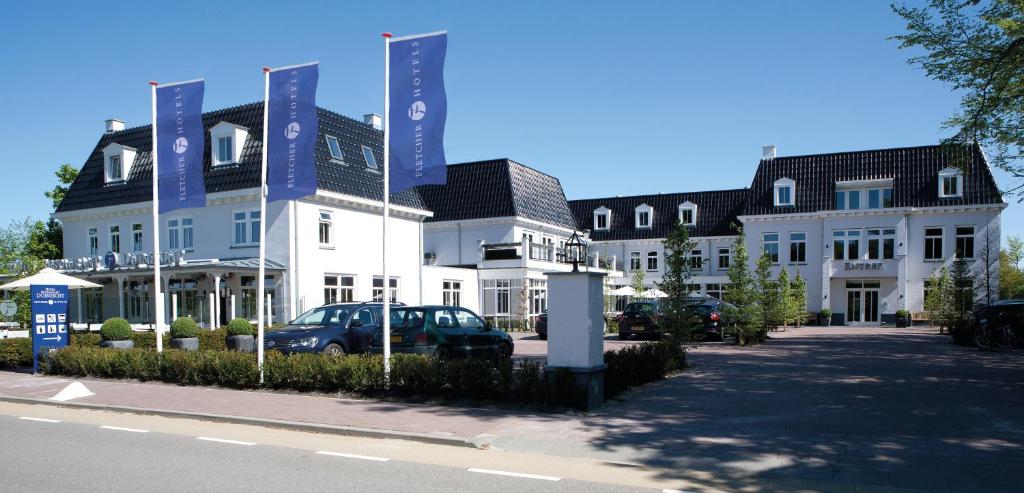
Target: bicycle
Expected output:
[1001,337]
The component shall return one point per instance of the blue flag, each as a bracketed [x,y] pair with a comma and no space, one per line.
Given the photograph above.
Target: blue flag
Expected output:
[292,131]
[419,108]
[180,141]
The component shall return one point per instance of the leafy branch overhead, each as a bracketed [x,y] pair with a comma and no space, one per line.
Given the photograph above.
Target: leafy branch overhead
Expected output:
[977,48]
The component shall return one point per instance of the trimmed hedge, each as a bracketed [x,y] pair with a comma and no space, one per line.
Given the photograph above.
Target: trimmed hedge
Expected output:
[15,352]
[411,375]
[184,328]
[212,340]
[240,327]
[116,329]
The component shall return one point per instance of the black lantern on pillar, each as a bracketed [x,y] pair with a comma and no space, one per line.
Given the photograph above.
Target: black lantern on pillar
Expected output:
[576,251]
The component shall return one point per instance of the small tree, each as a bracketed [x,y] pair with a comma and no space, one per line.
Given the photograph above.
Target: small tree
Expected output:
[937,300]
[784,300]
[677,318]
[1011,279]
[740,292]
[963,291]
[767,295]
[990,263]
[638,281]
[799,300]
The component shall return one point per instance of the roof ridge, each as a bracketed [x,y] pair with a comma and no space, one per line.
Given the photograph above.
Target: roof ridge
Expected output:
[702,192]
[861,151]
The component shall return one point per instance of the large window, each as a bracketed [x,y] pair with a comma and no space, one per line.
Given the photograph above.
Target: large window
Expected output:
[652,261]
[634,261]
[696,260]
[180,234]
[872,198]
[881,243]
[770,246]
[249,299]
[846,244]
[334,147]
[965,242]
[498,296]
[94,241]
[136,301]
[723,258]
[339,288]
[451,293]
[538,296]
[137,237]
[326,229]
[797,248]
[933,243]
[115,239]
[378,289]
[247,228]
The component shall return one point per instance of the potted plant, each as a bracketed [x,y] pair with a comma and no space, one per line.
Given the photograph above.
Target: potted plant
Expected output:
[240,336]
[116,333]
[185,334]
[825,317]
[902,318]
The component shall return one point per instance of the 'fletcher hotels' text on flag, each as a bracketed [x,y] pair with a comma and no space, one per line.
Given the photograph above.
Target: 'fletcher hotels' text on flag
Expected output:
[180,145]
[419,108]
[292,130]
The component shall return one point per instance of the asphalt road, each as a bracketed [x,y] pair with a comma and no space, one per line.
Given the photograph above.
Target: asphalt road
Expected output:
[50,454]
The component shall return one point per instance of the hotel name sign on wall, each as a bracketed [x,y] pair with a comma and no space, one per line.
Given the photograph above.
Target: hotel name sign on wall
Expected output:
[864,266]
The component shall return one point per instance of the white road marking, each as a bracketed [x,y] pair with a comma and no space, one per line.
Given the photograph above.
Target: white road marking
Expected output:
[352,456]
[514,474]
[118,428]
[674,491]
[224,440]
[41,420]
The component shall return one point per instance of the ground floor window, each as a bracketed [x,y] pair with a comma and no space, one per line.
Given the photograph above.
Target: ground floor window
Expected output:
[714,290]
[378,289]
[190,300]
[339,289]
[136,301]
[92,305]
[497,296]
[538,296]
[693,289]
[249,300]
[451,292]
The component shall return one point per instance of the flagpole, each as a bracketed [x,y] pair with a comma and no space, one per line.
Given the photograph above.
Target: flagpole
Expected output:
[387,204]
[158,299]
[260,281]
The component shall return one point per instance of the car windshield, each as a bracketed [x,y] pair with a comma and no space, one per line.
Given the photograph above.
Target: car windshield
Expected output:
[642,308]
[406,318]
[324,315]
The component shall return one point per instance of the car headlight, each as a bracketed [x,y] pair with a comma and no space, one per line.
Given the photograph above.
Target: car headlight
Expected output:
[306,342]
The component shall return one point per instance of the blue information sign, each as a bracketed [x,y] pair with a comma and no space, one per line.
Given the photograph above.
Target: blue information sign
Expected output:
[49,319]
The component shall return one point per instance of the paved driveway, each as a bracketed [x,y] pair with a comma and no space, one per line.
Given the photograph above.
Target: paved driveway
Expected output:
[822,409]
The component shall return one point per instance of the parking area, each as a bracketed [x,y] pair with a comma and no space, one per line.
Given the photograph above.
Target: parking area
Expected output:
[530,347]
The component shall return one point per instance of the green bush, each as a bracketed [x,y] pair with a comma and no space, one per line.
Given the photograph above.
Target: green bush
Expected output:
[116,329]
[240,327]
[640,364]
[184,328]
[15,352]
[825,312]
[902,314]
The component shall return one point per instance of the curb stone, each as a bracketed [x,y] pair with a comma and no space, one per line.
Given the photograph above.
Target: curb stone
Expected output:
[263,422]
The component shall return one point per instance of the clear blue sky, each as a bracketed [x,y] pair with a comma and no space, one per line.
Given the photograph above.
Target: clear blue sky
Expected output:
[614,98]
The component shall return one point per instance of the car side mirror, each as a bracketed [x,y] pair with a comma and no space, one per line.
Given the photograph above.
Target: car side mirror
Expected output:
[354,324]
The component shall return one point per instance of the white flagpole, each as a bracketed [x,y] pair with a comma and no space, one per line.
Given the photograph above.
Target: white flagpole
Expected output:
[387,204]
[260,281]
[158,299]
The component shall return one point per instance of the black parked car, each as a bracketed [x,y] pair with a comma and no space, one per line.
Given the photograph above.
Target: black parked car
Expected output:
[998,314]
[332,329]
[640,318]
[445,332]
[540,326]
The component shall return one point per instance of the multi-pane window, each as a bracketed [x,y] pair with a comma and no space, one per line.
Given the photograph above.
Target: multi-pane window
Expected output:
[846,244]
[785,195]
[497,295]
[339,289]
[933,243]
[696,260]
[451,293]
[652,260]
[378,289]
[714,290]
[180,233]
[247,228]
[601,221]
[137,237]
[114,168]
[371,161]
[94,241]
[225,150]
[723,258]
[881,243]
[335,148]
[965,242]
[634,261]
[538,296]
[687,215]
[798,248]
[326,229]
[770,246]
[950,185]
[643,219]
[115,239]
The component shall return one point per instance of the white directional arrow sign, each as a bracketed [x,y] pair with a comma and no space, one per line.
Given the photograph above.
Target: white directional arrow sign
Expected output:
[57,338]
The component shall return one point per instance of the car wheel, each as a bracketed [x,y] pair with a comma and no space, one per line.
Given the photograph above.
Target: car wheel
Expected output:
[442,353]
[334,350]
[504,351]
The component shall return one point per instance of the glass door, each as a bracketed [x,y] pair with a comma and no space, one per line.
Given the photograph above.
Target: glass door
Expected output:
[853,305]
[871,291]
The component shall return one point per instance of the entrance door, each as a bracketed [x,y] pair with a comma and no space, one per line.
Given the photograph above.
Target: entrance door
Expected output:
[854,305]
[862,302]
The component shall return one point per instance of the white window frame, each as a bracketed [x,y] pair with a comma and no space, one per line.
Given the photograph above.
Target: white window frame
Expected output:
[777,242]
[635,261]
[179,228]
[325,223]
[778,186]
[606,214]
[451,292]
[249,222]
[951,173]
[794,241]
[115,238]
[225,130]
[137,237]
[336,290]
[371,160]
[125,156]
[958,236]
[94,241]
[692,208]
[115,163]
[639,212]
[340,156]
[696,256]
[377,292]
[928,257]
[727,256]
[652,255]
[846,238]
[880,236]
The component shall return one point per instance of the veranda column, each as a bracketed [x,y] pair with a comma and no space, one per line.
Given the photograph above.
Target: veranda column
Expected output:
[216,300]
[120,296]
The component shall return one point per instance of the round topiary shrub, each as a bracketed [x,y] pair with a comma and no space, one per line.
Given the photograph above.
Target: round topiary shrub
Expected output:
[240,327]
[116,329]
[184,328]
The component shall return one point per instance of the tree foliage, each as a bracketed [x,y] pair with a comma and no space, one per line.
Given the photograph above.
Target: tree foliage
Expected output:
[740,292]
[66,175]
[977,48]
[677,318]
[638,281]
[798,304]
[767,295]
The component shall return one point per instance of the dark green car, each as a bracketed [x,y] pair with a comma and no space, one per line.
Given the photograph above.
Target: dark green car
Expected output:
[445,332]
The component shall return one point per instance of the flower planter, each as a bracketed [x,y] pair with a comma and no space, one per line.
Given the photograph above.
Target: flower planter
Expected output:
[186,343]
[118,344]
[245,344]
[902,322]
[824,321]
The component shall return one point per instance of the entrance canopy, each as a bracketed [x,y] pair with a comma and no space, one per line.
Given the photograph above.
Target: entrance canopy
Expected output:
[49,277]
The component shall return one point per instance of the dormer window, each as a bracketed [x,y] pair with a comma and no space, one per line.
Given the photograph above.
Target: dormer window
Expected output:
[371,161]
[335,148]
[644,216]
[117,162]
[951,183]
[785,192]
[688,213]
[227,140]
[602,219]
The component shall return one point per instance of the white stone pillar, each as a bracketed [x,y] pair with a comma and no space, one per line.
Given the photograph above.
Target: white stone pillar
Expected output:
[212,311]
[576,335]
[233,307]
[120,296]
[174,306]
[216,300]
[270,307]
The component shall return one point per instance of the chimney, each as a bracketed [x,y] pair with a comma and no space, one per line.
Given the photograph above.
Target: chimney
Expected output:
[114,125]
[768,152]
[373,119]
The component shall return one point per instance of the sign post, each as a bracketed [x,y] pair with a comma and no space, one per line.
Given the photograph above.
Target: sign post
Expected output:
[49,319]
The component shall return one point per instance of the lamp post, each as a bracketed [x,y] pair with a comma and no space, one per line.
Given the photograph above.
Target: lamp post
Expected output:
[575,249]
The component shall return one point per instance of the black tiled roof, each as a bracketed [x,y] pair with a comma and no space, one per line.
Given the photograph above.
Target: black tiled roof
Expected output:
[914,171]
[716,214]
[497,188]
[353,178]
